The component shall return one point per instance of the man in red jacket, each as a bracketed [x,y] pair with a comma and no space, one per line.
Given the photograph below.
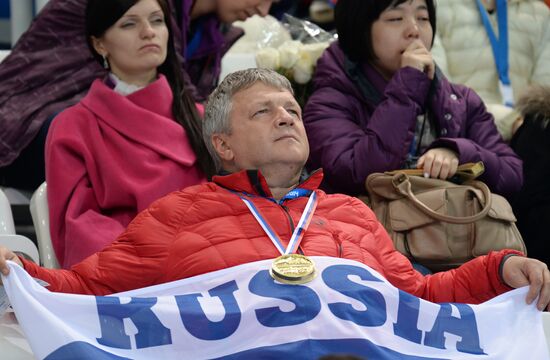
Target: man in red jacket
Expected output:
[253,127]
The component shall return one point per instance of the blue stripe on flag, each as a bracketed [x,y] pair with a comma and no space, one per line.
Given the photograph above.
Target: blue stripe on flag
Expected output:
[313,349]
[82,351]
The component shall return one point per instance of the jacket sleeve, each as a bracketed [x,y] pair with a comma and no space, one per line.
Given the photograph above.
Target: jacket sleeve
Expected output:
[77,225]
[350,144]
[116,268]
[203,64]
[138,257]
[474,282]
[481,141]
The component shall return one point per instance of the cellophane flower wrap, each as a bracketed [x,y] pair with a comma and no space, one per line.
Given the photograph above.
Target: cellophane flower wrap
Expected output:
[296,58]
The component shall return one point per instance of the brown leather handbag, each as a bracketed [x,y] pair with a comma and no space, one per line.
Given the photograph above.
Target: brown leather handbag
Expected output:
[441,224]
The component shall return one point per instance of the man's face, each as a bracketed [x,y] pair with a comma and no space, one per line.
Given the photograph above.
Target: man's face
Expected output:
[266,129]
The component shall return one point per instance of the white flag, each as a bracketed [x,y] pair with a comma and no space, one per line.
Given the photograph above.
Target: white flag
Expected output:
[242,313]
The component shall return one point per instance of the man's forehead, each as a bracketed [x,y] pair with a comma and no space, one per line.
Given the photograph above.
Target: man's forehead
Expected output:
[261,93]
[262,88]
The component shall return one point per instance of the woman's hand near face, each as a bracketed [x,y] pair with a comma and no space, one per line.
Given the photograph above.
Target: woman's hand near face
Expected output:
[439,163]
[416,55]
[5,255]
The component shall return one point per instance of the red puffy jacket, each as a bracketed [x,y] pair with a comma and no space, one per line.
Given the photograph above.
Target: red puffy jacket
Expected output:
[207,227]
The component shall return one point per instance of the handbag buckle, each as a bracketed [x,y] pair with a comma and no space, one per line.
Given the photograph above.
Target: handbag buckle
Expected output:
[398,179]
[400,182]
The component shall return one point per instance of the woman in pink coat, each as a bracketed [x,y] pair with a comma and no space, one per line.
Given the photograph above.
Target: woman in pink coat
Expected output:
[135,136]
[50,69]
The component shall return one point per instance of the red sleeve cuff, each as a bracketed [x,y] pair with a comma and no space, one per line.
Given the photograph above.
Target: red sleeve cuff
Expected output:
[504,255]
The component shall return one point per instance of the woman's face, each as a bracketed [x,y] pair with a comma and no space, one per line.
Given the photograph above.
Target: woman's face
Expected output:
[232,10]
[395,29]
[136,44]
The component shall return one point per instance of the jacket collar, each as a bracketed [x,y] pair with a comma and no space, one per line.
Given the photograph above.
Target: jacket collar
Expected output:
[253,182]
[144,116]
[371,90]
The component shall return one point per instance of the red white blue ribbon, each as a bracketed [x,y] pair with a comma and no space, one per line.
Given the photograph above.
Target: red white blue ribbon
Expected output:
[299,231]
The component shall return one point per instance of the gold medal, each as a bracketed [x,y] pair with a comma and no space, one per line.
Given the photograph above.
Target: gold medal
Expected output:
[293,269]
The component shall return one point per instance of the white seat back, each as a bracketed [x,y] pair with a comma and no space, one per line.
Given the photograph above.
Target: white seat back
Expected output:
[21,244]
[41,219]
[6,217]
[3,54]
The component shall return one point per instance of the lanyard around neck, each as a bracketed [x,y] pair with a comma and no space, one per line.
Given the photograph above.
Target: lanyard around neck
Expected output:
[298,233]
[499,47]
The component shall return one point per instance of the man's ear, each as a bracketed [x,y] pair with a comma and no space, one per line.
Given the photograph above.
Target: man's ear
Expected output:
[98,46]
[222,147]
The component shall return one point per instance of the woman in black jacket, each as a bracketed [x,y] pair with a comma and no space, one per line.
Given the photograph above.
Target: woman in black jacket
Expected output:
[532,143]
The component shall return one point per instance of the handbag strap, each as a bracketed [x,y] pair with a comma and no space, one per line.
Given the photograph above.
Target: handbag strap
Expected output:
[465,172]
[402,184]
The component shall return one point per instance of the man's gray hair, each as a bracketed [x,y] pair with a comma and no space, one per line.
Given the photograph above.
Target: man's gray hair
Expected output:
[218,107]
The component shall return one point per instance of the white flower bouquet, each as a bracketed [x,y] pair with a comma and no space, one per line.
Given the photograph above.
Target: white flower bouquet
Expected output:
[296,59]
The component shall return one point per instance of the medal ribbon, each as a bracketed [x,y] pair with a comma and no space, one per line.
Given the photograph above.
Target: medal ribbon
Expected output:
[500,48]
[298,233]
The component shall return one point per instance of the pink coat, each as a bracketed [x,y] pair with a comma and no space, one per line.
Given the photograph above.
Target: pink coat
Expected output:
[108,158]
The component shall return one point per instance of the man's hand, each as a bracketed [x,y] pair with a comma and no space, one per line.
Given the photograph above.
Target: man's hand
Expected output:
[417,56]
[439,163]
[520,271]
[5,255]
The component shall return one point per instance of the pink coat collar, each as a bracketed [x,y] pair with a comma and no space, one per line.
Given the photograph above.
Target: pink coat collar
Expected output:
[144,116]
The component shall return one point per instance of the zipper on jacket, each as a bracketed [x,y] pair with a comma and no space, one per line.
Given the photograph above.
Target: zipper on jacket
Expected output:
[290,221]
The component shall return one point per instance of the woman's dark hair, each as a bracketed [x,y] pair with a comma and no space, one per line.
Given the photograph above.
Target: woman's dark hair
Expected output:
[101,15]
[354,18]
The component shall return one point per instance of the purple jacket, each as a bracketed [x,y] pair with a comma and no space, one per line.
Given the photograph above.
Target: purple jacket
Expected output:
[50,68]
[358,123]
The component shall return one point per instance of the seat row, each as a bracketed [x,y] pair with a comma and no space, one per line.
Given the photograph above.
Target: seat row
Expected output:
[42,254]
